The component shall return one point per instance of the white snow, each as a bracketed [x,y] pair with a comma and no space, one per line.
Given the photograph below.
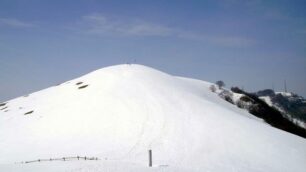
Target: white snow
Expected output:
[126,110]
[267,99]
[236,97]
[286,94]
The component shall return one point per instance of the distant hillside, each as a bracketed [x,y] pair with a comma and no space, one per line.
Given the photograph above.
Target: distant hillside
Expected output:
[285,111]
[291,105]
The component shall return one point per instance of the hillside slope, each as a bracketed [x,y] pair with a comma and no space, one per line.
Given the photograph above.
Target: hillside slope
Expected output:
[262,108]
[291,105]
[118,113]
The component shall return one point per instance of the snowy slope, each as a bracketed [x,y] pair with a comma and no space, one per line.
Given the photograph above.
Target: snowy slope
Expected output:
[118,113]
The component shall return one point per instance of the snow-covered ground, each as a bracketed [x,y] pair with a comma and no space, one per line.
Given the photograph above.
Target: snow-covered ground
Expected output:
[267,99]
[120,112]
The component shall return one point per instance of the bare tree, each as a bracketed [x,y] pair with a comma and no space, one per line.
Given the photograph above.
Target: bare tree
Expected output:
[220,84]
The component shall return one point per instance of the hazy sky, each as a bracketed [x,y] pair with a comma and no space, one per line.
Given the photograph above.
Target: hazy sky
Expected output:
[251,44]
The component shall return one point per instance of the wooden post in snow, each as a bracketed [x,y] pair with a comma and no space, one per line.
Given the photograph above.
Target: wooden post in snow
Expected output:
[150,158]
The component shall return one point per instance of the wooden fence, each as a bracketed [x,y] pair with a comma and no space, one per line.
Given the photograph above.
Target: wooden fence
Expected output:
[62,159]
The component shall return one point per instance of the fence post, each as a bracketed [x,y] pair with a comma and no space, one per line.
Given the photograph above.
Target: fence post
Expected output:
[150,158]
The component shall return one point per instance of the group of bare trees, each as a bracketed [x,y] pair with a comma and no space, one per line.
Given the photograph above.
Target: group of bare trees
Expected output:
[219,84]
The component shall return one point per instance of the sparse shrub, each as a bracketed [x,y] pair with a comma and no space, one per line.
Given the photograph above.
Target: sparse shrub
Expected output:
[246,99]
[212,88]
[229,99]
[237,90]
[227,95]
[240,104]
[244,105]
[245,102]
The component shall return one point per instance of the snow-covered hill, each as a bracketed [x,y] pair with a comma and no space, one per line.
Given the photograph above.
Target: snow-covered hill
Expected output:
[120,112]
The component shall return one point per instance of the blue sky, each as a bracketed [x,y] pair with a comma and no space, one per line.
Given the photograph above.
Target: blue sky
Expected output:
[251,44]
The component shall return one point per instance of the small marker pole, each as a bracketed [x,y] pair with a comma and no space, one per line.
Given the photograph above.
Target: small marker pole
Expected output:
[150,158]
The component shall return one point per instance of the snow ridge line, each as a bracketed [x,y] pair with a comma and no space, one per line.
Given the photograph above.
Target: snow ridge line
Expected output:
[61,159]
